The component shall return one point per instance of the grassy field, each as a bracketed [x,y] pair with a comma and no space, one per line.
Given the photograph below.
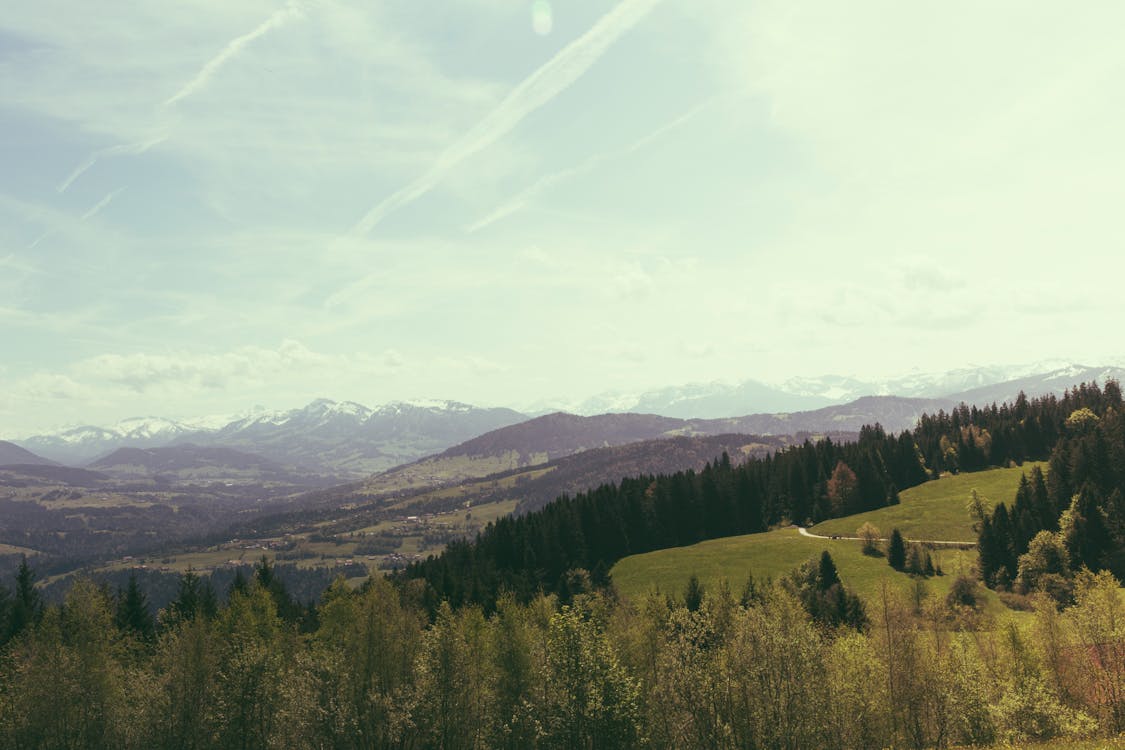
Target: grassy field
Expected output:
[441,470]
[935,510]
[773,555]
[11,549]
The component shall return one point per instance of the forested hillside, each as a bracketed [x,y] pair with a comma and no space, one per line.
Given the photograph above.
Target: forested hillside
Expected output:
[805,483]
[1072,519]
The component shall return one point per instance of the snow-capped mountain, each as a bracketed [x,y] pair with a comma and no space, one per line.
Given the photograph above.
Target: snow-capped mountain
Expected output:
[981,385]
[341,438]
[77,445]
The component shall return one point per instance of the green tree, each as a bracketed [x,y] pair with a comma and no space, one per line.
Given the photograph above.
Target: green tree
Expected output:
[133,615]
[1046,567]
[693,593]
[896,550]
[591,701]
[870,535]
[27,607]
[843,490]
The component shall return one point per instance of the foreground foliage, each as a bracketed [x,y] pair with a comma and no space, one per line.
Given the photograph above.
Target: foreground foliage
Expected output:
[784,666]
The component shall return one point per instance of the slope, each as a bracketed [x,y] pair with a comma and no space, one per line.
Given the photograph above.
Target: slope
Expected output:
[934,510]
[11,454]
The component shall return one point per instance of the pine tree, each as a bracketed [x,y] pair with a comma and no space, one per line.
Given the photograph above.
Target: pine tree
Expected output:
[133,615]
[827,575]
[896,551]
[26,606]
[186,605]
[693,594]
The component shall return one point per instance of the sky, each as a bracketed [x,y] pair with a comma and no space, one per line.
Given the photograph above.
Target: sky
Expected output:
[210,205]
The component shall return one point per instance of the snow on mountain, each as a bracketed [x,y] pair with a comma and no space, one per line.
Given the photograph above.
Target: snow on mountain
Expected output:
[804,393]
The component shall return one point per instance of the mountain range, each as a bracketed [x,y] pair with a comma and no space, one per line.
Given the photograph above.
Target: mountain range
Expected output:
[346,440]
[12,455]
[339,439]
[973,385]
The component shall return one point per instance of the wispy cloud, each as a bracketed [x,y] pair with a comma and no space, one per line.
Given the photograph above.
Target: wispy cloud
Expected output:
[540,87]
[234,47]
[525,196]
[277,19]
[122,149]
[67,221]
[97,208]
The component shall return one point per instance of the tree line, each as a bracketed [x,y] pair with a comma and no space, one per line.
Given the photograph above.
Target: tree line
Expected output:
[1073,517]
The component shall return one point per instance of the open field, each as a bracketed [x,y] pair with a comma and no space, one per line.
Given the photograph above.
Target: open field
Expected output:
[11,549]
[773,555]
[443,470]
[935,510]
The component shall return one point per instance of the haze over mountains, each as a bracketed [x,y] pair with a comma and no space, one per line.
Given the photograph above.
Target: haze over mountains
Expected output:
[343,439]
[347,440]
[715,400]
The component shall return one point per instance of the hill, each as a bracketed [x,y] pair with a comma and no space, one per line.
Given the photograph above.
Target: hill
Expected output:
[538,441]
[523,490]
[1054,382]
[773,555]
[936,510]
[195,463]
[18,475]
[933,510]
[11,454]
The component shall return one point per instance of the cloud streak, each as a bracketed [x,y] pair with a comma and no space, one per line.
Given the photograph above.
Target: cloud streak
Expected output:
[525,196]
[123,149]
[100,205]
[276,20]
[550,80]
[202,78]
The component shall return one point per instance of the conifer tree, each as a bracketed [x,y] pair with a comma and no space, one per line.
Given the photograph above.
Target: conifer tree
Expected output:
[26,605]
[133,615]
[693,594]
[896,551]
[827,575]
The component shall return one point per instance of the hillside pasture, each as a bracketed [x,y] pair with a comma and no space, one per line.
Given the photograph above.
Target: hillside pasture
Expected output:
[935,510]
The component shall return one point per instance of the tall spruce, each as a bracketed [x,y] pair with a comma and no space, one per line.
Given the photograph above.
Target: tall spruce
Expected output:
[896,550]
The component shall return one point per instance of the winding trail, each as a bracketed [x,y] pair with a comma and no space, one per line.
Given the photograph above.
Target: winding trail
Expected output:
[805,532]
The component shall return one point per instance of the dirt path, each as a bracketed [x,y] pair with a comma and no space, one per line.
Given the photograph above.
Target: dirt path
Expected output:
[805,532]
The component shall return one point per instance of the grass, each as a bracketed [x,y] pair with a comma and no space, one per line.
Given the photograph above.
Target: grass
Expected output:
[935,510]
[442,470]
[11,549]
[773,555]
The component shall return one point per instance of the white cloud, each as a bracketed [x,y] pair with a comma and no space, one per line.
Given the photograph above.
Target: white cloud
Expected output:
[143,371]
